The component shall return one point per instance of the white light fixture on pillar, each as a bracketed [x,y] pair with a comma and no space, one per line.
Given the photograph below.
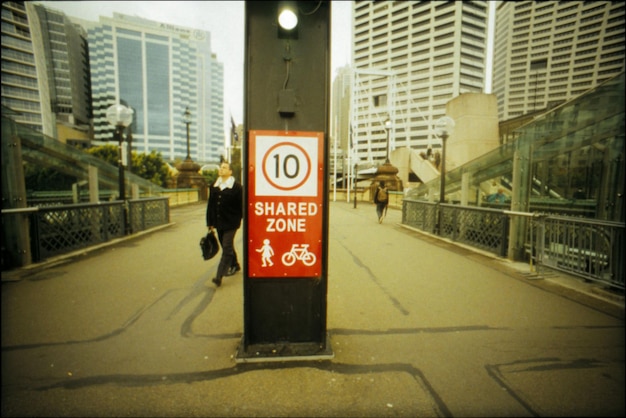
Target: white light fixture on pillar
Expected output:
[287,17]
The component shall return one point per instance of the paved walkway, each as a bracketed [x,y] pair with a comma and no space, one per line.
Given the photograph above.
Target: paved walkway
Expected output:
[418,327]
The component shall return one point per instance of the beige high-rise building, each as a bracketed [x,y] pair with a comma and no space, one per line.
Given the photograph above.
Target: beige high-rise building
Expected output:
[340,123]
[548,52]
[410,59]
[45,69]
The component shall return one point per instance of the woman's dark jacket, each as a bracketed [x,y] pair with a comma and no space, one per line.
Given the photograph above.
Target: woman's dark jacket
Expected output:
[224,209]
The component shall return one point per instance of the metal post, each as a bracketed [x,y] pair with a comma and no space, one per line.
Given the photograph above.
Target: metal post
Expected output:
[284,304]
[387,128]
[442,170]
[122,182]
[188,153]
[442,180]
[355,179]
[129,154]
[187,120]
[120,138]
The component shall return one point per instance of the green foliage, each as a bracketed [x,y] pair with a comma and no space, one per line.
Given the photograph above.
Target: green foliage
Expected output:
[210,176]
[108,153]
[235,163]
[46,179]
[151,166]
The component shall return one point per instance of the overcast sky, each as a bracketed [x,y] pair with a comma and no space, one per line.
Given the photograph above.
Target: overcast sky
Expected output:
[225,21]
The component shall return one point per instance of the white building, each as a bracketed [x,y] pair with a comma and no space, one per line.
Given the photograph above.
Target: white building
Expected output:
[548,52]
[410,59]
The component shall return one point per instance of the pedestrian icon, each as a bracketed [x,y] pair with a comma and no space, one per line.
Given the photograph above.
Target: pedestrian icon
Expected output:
[266,253]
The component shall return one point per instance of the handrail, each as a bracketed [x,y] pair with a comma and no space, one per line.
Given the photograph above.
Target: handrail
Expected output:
[18,211]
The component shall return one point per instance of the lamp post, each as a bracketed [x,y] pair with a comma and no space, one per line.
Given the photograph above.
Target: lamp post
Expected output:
[386,172]
[129,140]
[189,176]
[120,116]
[187,119]
[356,167]
[388,128]
[355,176]
[443,128]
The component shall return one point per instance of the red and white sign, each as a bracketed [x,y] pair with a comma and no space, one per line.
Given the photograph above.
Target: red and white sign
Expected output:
[285,198]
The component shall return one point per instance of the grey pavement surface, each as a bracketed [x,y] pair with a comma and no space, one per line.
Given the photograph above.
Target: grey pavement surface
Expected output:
[418,326]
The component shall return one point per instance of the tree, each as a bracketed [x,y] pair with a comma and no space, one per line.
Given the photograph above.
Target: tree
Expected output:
[151,166]
[210,176]
[108,153]
[46,178]
[235,163]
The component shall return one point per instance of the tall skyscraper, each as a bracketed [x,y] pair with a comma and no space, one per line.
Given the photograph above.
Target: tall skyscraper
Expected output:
[340,123]
[159,70]
[45,68]
[410,59]
[548,52]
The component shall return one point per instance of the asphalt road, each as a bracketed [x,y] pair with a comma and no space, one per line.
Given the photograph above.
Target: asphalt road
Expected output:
[418,327]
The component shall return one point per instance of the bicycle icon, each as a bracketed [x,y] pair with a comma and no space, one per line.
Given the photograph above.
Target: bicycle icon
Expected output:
[299,253]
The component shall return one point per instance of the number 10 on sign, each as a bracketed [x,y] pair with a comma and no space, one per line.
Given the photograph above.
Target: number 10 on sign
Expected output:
[286,166]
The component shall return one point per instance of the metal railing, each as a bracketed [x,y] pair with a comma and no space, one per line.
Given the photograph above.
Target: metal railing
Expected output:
[148,213]
[591,249]
[587,248]
[59,229]
[486,229]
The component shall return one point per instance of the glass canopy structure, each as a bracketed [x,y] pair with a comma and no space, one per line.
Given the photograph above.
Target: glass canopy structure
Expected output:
[569,160]
[43,151]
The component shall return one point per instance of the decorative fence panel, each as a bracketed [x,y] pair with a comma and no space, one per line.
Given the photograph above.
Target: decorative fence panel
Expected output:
[60,229]
[587,248]
[148,213]
[590,249]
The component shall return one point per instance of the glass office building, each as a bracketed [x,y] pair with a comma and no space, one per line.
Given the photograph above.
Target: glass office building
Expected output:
[159,70]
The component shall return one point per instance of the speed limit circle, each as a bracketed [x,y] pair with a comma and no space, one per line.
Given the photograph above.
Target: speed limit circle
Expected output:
[286,166]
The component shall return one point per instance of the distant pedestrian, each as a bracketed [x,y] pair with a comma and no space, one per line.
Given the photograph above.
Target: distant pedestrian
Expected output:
[381,198]
[498,197]
[437,158]
[224,213]
[580,194]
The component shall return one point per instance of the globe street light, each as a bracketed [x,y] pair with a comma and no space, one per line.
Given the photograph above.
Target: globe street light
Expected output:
[443,128]
[187,119]
[120,116]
